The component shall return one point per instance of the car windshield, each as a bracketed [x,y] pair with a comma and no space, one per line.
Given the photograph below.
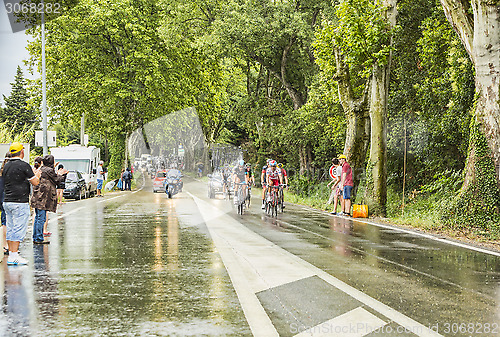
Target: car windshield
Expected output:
[72,177]
[81,165]
[161,174]
[173,173]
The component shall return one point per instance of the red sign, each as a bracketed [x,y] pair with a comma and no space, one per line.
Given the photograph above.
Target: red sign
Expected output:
[332,168]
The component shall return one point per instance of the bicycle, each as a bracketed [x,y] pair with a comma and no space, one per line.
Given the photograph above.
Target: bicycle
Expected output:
[225,190]
[242,198]
[281,199]
[272,201]
[249,196]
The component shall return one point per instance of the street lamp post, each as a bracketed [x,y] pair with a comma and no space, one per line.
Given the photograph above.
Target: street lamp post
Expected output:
[44,88]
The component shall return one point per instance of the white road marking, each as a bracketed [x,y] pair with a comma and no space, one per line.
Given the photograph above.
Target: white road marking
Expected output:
[254,263]
[413,232]
[355,323]
[427,236]
[416,271]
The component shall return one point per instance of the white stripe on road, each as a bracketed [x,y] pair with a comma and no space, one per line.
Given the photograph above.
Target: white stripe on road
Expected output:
[413,232]
[255,263]
[355,323]
[402,266]
[427,236]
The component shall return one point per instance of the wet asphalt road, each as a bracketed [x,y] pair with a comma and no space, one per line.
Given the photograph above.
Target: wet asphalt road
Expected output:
[137,263]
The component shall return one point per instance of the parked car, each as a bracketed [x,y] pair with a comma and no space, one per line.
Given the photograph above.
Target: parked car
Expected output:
[158,181]
[76,187]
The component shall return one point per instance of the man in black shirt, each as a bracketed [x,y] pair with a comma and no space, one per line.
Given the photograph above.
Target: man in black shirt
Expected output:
[17,178]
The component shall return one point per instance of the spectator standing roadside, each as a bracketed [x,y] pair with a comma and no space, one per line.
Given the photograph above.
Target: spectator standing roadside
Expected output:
[127,175]
[36,166]
[346,185]
[100,178]
[4,219]
[121,185]
[45,197]
[17,178]
[200,169]
[336,192]
[61,186]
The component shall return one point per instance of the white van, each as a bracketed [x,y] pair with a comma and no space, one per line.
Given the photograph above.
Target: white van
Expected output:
[85,159]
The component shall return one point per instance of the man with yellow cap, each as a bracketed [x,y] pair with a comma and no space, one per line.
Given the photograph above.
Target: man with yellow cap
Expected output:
[346,185]
[17,178]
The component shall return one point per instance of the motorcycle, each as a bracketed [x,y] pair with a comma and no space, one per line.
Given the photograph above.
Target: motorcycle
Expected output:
[173,182]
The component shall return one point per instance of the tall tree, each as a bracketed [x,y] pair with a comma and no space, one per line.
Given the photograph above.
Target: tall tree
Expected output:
[110,62]
[355,47]
[477,24]
[277,35]
[18,114]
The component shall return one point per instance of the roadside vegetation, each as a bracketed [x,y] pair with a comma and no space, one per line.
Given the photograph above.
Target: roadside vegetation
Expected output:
[389,84]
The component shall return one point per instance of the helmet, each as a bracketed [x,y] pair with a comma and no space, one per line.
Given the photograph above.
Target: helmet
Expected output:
[272,163]
[241,162]
[268,160]
[248,165]
[280,165]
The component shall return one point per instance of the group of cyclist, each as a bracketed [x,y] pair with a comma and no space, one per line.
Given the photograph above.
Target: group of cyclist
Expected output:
[273,174]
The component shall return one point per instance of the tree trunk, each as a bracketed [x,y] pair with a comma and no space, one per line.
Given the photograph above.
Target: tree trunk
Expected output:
[480,35]
[486,48]
[376,182]
[358,122]
[305,159]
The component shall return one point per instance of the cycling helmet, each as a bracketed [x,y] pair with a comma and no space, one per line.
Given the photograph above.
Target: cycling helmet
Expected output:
[241,162]
[280,165]
[272,163]
[248,165]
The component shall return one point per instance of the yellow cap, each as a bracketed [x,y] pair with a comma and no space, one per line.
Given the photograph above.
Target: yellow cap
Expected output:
[342,156]
[15,147]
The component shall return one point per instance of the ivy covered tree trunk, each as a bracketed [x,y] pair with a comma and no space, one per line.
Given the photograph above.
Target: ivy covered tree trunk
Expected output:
[478,203]
[477,23]
[117,156]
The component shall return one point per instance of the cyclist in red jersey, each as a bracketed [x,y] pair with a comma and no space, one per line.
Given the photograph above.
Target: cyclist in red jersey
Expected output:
[283,172]
[273,175]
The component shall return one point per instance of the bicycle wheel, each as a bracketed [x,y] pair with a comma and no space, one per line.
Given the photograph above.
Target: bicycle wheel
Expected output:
[248,198]
[241,200]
